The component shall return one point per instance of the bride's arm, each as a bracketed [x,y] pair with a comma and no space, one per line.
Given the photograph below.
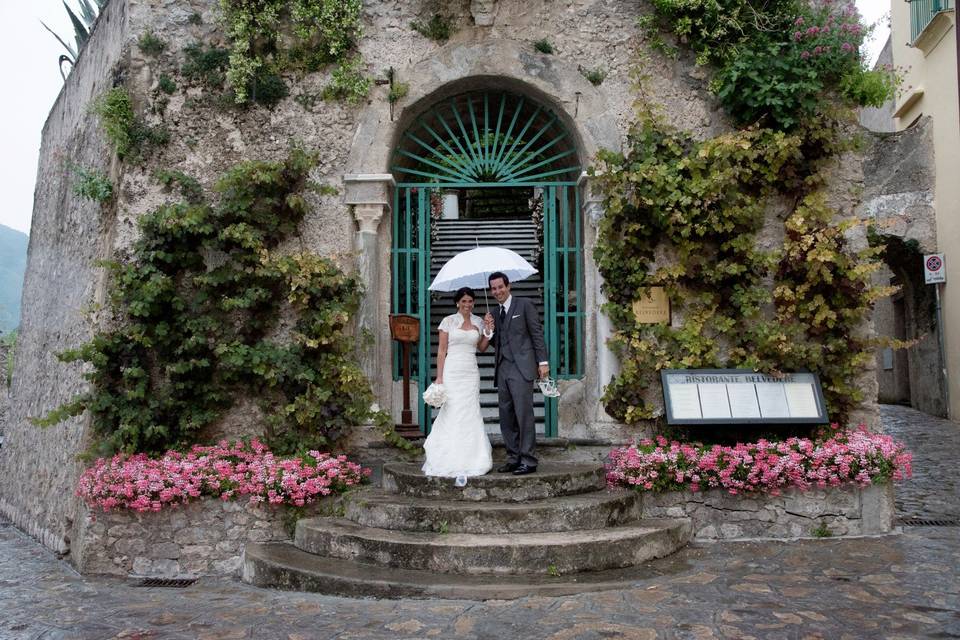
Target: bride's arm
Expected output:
[441,356]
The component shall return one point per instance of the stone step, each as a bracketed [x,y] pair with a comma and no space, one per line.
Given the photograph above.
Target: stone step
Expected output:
[504,553]
[485,238]
[519,220]
[551,480]
[283,566]
[446,242]
[595,510]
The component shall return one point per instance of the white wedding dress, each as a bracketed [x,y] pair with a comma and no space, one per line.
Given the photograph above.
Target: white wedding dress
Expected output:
[458,444]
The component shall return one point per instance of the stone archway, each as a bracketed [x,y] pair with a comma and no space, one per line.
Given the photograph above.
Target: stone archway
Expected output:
[501,65]
[513,171]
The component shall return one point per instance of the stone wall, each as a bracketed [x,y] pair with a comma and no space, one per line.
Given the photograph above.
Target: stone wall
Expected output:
[39,467]
[5,356]
[206,537]
[899,199]
[717,515]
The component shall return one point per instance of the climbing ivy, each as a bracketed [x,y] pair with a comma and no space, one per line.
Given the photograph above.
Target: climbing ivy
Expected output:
[687,214]
[206,309]
[128,134]
[323,31]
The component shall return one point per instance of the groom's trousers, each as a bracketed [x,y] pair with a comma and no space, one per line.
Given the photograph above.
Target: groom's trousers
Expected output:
[516,414]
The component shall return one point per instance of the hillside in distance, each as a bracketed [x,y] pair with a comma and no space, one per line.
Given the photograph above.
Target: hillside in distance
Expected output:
[13,263]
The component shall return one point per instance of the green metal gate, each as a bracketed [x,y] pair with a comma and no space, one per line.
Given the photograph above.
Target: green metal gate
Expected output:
[490,140]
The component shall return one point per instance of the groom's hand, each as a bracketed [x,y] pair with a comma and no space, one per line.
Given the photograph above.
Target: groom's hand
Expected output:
[488,320]
[544,371]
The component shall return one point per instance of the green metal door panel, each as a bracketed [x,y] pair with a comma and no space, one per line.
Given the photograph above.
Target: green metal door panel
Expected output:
[490,139]
[550,289]
[410,260]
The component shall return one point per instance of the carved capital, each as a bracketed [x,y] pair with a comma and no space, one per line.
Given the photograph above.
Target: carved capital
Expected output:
[592,203]
[368,216]
[594,211]
[367,188]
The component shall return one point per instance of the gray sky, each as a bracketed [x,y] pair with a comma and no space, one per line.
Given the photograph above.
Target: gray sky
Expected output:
[29,57]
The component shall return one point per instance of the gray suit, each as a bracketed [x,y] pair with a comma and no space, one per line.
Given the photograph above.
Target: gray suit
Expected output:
[519,345]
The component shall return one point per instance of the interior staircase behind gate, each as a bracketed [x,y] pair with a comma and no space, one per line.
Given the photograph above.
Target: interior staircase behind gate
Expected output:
[516,233]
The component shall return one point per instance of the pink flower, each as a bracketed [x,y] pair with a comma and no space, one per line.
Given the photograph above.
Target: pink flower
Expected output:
[852,456]
[226,471]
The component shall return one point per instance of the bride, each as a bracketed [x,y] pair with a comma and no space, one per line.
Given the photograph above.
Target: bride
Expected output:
[458,444]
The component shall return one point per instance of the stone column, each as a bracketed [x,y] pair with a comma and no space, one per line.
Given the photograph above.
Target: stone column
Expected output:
[369,194]
[607,364]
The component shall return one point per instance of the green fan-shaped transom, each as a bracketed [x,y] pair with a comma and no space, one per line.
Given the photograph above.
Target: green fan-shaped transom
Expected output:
[486,138]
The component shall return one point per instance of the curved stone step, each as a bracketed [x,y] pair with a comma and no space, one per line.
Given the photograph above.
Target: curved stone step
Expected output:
[280,565]
[595,510]
[551,480]
[509,553]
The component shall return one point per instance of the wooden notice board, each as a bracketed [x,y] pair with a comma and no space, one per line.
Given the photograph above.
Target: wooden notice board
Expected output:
[404,328]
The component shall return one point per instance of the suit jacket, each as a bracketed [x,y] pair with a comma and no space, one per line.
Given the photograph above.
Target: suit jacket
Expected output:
[520,339]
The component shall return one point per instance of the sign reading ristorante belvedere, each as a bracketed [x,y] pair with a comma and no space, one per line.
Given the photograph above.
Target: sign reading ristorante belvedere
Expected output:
[741,396]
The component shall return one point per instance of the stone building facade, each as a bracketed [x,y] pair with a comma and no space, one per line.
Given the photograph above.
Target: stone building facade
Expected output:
[900,198]
[491,50]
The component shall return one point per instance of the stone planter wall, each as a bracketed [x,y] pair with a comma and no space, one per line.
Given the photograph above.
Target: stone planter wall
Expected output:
[206,537]
[717,515]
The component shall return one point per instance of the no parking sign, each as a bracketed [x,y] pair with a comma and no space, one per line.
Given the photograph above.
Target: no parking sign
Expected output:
[933,269]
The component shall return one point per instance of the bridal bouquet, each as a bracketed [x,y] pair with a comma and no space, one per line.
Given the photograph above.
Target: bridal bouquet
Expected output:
[435,395]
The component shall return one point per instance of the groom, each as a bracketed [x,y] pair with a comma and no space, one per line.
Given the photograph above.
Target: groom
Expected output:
[521,356]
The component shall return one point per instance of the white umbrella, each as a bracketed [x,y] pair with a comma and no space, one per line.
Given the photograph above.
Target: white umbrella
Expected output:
[472,268]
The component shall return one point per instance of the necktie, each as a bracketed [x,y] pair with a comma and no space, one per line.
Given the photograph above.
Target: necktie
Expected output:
[503,315]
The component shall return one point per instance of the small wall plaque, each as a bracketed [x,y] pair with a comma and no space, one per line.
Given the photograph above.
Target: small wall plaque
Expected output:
[741,396]
[404,328]
[653,307]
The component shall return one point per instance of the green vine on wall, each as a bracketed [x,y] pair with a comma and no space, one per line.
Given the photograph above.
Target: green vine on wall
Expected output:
[687,214]
[128,134]
[270,36]
[206,310]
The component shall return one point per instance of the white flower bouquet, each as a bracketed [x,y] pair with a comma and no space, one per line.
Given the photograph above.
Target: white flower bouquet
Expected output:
[435,395]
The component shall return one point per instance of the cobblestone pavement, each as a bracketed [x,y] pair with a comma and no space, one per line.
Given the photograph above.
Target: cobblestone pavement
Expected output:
[899,586]
[934,490]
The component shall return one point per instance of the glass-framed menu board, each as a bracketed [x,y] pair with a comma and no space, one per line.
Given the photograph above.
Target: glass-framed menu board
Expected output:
[741,396]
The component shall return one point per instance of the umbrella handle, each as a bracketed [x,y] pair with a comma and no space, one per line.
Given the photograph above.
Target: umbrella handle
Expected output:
[486,300]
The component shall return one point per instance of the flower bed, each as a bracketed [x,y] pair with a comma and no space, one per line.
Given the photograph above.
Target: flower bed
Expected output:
[227,471]
[849,456]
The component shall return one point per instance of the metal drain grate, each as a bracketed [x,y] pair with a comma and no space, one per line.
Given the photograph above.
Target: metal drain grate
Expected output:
[929,522]
[175,583]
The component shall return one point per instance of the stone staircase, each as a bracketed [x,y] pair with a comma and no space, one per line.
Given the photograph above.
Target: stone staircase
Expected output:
[454,236]
[555,532]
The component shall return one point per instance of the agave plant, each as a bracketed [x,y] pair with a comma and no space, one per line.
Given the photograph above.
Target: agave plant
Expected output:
[82,25]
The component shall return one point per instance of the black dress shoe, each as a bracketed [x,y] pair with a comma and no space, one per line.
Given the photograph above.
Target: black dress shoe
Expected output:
[523,470]
[507,468]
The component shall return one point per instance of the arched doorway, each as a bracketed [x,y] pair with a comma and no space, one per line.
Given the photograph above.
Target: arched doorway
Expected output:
[508,166]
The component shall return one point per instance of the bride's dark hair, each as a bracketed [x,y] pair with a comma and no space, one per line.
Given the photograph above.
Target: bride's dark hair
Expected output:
[463,291]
